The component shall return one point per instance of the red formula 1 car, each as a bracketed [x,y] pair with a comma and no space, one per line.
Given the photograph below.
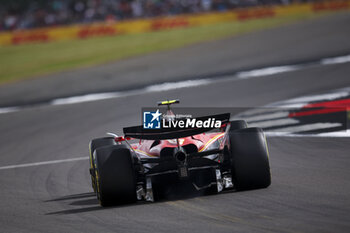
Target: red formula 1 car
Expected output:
[197,158]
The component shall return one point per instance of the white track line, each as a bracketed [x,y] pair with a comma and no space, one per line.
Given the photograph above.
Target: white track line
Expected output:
[260,110]
[307,127]
[149,89]
[176,85]
[267,71]
[9,109]
[335,134]
[43,163]
[84,98]
[343,133]
[185,84]
[311,98]
[297,130]
[270,116]
[335,60]
[273,123]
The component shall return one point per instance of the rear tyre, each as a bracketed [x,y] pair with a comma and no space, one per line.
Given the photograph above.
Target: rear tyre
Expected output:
[249,159]
[94,144]
[239,124]
[115,175]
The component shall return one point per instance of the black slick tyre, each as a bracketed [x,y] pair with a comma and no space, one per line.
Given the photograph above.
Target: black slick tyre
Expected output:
[249,159]
[94,144]
[115,175]
[238,124]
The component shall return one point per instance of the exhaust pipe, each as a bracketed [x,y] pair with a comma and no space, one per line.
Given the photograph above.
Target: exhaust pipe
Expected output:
[180,156]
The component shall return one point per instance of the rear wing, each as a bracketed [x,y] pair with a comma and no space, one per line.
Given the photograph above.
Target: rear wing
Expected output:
[139,132]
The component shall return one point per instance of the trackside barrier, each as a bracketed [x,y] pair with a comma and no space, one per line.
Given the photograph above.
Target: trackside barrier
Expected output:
[165,23]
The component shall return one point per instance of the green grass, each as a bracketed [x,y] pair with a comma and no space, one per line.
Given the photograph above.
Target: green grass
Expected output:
[28,61]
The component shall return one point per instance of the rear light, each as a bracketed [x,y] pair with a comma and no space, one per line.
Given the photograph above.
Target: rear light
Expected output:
[120,139]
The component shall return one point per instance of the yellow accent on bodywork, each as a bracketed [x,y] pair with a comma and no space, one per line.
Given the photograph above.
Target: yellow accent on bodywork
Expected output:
[210,141]
[267,148]
[90,152]
[144,153]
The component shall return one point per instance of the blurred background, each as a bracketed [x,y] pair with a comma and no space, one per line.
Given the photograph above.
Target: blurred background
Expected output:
[41,38]
[23,14]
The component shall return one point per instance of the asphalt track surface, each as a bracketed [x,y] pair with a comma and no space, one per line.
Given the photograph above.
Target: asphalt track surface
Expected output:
[310,189]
